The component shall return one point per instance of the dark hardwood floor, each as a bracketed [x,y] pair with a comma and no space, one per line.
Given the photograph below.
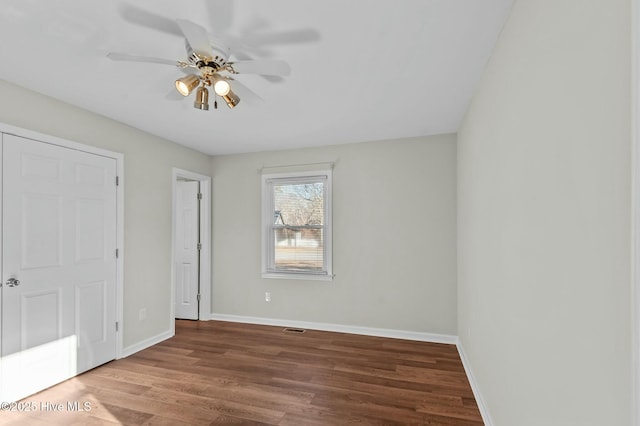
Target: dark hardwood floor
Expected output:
[229,373]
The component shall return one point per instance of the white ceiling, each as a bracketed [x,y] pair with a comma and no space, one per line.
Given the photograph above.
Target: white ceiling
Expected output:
[362,70]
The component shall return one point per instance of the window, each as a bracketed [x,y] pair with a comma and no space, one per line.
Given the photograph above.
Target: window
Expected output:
[296,224]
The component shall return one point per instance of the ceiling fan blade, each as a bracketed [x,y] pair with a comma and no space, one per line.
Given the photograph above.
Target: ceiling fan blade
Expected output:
[196,37]
[262,67]
[285,37]
[244,92]
[220,13]
[114,56]
[147,19]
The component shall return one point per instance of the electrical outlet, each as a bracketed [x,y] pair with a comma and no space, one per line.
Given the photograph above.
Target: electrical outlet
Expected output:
[267,296]
[142,315]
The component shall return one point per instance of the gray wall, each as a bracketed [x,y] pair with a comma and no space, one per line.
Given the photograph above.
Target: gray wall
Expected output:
[394,211]
[544,217]
[148,162]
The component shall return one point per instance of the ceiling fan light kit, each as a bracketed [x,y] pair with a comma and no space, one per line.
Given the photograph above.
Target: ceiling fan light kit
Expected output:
[231,99]
[220,85]
[202,99]
[209,69]
[185,85]
[207,63]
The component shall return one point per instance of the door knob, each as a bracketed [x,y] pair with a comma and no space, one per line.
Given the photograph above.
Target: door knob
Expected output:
[13,282]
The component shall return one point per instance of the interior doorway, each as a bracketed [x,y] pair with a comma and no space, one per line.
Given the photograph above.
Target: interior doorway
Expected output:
[191,242]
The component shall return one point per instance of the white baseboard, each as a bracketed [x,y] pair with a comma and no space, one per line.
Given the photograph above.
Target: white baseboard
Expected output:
[367,331]
[130,350]
[482,405]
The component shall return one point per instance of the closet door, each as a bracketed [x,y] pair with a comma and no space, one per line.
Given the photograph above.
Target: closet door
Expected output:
[187,253]
[58,264]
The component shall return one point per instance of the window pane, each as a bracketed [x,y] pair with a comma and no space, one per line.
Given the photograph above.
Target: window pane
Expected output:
[299,206]
[299,250]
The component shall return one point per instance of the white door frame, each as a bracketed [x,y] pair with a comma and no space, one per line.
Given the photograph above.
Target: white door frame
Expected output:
[29,134]
[204,311]
[635,211]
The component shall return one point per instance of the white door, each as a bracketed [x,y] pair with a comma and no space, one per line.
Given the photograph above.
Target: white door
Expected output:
[58,264]
[186,250]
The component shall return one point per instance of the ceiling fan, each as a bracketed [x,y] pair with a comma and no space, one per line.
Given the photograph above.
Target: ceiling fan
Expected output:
[208,66]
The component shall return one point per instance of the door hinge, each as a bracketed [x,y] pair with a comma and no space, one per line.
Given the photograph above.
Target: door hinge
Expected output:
[117,180]
[198,297]
[116,326]
[199,195]
[117,253]
[199,246]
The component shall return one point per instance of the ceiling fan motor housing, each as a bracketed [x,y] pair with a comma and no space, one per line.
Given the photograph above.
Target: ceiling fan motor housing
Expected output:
[199,60]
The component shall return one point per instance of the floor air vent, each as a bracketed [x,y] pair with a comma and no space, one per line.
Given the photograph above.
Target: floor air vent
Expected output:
[293,330]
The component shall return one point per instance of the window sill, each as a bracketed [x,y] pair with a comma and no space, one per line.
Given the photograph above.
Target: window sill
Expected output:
[297,276]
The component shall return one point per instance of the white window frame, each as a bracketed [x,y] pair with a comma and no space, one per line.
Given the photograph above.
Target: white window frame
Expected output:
[268,248]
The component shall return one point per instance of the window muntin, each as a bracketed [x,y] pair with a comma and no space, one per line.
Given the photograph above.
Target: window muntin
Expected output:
[296,223]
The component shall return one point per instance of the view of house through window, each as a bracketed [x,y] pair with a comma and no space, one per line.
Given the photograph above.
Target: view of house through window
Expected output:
[297,232]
